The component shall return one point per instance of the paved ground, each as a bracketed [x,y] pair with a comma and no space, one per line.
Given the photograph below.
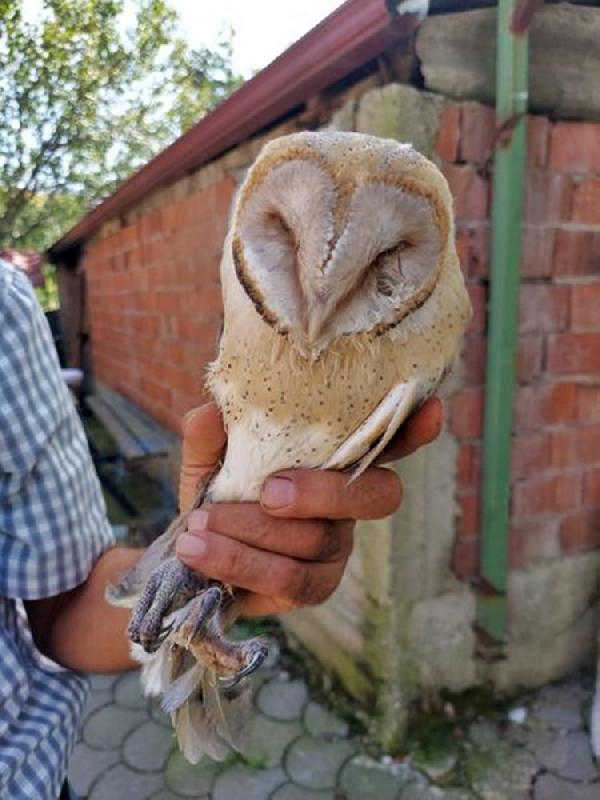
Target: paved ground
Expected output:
[538,749]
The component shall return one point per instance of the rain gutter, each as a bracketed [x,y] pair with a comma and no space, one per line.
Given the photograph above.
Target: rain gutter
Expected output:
[507,216]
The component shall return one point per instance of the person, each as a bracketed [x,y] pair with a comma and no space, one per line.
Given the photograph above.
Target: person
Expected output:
[57,553]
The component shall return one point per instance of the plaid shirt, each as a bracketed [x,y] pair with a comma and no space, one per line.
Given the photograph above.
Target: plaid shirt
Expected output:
[53,526]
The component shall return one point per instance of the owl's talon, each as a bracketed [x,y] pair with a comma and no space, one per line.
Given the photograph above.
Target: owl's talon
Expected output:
[255,662]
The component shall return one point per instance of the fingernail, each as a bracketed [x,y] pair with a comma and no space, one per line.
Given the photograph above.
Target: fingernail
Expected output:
[278,493]
[189,546]
[197,520]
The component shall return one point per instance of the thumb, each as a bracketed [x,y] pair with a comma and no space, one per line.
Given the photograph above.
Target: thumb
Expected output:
[203,442]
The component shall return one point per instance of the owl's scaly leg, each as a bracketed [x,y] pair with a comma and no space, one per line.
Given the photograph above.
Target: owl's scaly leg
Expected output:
[168,588]
[208,643]
[190,620]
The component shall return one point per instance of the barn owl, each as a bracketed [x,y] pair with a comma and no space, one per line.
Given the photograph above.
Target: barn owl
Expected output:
[344,304]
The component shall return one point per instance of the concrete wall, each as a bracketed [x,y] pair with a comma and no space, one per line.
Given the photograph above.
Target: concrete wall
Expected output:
[401,624]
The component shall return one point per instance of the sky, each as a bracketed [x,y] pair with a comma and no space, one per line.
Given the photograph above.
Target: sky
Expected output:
[263,28]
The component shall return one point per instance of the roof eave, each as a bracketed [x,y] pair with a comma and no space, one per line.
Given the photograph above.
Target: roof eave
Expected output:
[351,36]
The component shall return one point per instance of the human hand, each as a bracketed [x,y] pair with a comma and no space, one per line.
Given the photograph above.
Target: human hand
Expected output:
[291,549]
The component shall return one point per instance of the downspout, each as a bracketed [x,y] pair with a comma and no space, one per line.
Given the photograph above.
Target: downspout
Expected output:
[507,227]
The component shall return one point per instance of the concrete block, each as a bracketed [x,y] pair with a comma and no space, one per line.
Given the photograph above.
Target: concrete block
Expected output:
[401,112]
[458,58]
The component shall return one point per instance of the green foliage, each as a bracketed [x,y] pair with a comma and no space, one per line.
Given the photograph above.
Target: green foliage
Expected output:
[90,91]
[48,293]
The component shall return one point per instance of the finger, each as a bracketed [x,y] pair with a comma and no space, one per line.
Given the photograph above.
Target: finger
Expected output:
[326,494]
[308,539]
[252,604]
[238,564]
[420,429]
[203,442]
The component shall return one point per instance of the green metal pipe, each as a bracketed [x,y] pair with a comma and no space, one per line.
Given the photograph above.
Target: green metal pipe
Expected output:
[507,215]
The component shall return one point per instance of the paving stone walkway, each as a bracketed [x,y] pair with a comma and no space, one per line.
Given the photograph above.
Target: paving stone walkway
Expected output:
[301,750]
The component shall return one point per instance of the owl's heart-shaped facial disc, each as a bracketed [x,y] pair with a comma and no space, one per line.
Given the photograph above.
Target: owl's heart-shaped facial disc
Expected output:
[322,254]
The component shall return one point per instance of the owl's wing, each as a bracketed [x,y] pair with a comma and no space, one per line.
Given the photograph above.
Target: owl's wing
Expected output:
[375,433]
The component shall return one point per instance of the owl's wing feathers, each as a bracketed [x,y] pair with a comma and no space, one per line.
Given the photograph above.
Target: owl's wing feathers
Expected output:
[375,433]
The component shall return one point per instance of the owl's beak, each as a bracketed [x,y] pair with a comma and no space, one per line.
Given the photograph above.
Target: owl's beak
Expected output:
[316,322]
[314,328]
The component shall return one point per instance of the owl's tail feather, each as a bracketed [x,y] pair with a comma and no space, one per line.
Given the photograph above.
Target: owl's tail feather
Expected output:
[212,722]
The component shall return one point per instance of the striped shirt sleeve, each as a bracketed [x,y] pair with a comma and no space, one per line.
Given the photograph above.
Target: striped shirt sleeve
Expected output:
[53,523]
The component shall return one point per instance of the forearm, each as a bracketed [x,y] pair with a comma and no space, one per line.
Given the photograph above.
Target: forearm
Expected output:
[79,629]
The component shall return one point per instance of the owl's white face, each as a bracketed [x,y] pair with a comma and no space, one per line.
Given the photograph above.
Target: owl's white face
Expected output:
[334,235]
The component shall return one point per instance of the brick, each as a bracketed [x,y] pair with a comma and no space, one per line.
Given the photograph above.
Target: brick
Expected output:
[180,380]
[534,541]
[169,302]
[466,413]
[538,134]
[474,359]
[146,325]
[468,466]
[469,190]
[151,225]
[545,495]
[576,253]
[222,196]
[468,514]
[572,353]
[575,147]
[448,137]
[175,354]
[530,455]
[588,404]
[478,132]
[543,308]
[530,357]
[586,201]
[205,302]
[548,197]
[201,334]
[538,251]
[585,307]
[473,246]
[154,391]
[580,531]
[465,558]
[575,447]
[478,295]
[546,404]
[591,488]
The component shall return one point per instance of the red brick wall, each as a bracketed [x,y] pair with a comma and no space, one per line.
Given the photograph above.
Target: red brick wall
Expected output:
[556,442]
[155,305]
[155,301]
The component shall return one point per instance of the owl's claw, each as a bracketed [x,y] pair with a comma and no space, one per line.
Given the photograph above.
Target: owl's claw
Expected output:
[255,662]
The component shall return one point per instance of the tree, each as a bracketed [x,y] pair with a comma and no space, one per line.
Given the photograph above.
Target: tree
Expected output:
[90,91]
